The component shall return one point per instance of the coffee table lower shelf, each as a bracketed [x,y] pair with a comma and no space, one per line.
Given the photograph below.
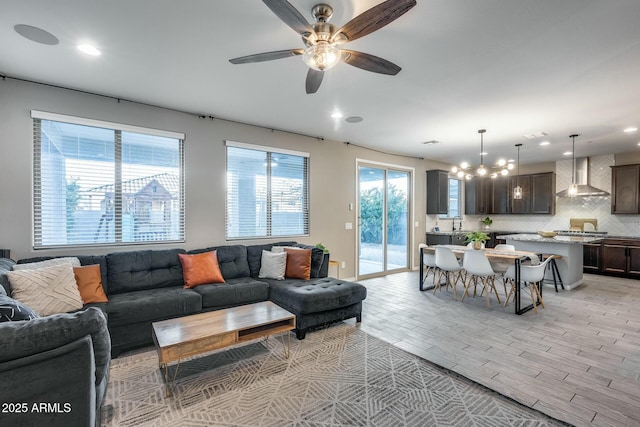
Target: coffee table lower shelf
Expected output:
[177,339]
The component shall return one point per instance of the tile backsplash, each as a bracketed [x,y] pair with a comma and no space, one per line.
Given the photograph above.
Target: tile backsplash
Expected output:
[580,207]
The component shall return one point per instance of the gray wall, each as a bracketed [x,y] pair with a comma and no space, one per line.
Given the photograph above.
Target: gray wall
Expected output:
[332,180]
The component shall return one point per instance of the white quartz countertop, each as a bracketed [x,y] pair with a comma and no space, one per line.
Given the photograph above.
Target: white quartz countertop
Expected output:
[558,239]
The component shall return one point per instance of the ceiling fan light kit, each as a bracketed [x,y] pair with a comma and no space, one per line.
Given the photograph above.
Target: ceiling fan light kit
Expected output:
[321,56]
[322,41]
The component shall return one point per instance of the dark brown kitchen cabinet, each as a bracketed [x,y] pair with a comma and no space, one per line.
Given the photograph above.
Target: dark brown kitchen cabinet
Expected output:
[591,257]
[484,196]
[498,191]
[538,195]
[621,257]
[446,239]
[625,183]
[543,197]
[475,196]
[437,192]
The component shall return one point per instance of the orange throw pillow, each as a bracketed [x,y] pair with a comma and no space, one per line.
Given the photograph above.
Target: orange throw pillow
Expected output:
[90,283]
[298,264]
[200,269]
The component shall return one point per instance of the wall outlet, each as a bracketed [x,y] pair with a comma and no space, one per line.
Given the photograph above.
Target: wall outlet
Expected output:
[348,226]
[343,264]
[417,224]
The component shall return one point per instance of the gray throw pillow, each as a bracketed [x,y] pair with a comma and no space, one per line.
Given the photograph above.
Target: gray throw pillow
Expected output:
[273,265]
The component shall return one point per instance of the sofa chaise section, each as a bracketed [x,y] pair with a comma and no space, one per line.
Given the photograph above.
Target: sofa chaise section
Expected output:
[318,301]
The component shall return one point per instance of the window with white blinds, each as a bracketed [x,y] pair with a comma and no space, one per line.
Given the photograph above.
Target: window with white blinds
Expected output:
[102,183]
[267,192]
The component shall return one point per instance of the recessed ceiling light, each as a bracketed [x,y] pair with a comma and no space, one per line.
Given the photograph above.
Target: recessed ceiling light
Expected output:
[336,115]
[567,153]
[354,119]
[89,49]
[631,129]
[36,34]
[502,162]
[484,153]
[545,143]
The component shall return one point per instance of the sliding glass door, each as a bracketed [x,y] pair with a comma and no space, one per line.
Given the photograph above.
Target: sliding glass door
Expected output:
[383,220]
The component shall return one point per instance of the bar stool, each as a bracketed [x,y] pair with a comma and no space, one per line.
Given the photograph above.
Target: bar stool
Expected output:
[554,270]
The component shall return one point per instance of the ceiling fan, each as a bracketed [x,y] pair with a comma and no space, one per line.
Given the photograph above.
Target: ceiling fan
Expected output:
[323,41]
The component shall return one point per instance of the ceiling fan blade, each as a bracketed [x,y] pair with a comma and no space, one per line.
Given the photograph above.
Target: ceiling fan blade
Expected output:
[289,15]
[314,78]
[267,56]
[369,62]
[374,19]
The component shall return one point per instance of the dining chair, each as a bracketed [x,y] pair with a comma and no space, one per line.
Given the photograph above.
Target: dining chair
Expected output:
[530,275]
[504,247]
[500,267]
[448,265]
[429,261]
[477,266]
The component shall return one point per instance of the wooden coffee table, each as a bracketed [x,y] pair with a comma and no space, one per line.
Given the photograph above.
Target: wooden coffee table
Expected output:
[176,339]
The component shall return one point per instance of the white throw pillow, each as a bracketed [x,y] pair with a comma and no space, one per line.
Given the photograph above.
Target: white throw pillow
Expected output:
[273,265]
[75,262]
[280,249]
[48,290]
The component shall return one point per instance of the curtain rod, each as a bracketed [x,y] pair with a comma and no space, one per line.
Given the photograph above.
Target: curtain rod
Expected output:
[119,99]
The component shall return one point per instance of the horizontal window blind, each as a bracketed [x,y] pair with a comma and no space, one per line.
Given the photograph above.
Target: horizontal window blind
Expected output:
[267,192]
[101,186]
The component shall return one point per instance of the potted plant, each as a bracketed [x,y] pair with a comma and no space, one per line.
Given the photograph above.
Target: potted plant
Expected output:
[323,247]
[487,223]
[478,238]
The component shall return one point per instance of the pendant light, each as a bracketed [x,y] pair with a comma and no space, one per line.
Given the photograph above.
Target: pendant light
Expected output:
[573,188]
[482,171]
[517,190]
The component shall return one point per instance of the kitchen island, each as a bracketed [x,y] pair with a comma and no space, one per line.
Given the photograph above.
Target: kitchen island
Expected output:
[569,247]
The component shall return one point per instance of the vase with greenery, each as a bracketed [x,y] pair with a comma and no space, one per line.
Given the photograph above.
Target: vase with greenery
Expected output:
[487,223]
[478,238]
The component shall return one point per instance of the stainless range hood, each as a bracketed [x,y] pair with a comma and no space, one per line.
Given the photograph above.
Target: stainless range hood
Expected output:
[582,178]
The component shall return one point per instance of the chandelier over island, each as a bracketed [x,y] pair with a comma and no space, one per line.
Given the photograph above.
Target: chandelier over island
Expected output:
[464,170]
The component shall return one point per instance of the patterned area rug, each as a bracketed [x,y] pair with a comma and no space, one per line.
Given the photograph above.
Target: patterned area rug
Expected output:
[338,376]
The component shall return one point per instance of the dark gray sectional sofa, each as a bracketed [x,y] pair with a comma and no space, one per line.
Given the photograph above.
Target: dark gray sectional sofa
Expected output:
[143,287]
[146,286]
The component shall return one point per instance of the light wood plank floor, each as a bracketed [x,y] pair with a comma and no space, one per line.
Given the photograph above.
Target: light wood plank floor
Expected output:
[577,360]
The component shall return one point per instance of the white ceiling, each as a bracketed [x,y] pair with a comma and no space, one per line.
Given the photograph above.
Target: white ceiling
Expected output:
[513,67]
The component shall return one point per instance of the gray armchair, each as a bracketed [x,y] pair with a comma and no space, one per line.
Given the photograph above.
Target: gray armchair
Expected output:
[55,369]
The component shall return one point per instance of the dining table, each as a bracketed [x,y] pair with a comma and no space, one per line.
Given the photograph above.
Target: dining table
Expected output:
[494,255]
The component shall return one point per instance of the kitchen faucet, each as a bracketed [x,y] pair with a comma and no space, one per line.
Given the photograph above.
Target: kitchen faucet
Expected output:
[454,223]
